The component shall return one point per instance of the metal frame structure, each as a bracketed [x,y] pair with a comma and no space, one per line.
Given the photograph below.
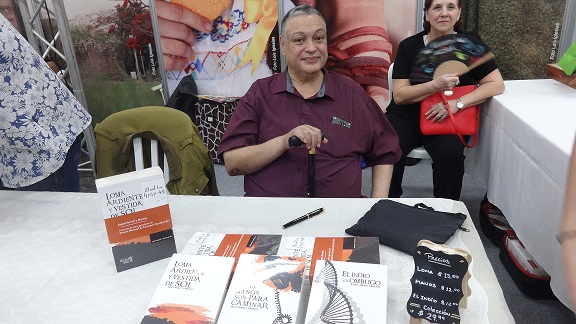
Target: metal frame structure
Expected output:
[419,16]
[163,88]
[31,11]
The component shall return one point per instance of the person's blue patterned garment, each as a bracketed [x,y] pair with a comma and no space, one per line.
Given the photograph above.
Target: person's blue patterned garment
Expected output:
[39,116]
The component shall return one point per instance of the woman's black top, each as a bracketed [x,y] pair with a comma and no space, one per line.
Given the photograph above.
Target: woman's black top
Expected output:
[405,57]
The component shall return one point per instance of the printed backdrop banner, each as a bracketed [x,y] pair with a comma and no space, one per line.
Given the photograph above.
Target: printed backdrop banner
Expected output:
[116,54]
[118,63]
[243,45]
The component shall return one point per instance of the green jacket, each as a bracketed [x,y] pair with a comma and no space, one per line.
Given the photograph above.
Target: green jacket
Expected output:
[190,165]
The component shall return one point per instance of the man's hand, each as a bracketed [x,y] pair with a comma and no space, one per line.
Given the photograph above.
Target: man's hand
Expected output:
[175,24]
[249,159]
[311,136]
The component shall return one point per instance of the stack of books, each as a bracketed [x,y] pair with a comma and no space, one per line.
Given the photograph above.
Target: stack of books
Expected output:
[353,249]
[268,280]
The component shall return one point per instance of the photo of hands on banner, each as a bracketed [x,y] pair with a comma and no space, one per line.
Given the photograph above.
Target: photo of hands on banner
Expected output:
[225,46]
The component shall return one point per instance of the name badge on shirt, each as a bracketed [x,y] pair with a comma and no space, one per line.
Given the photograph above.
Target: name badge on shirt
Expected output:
[341,122]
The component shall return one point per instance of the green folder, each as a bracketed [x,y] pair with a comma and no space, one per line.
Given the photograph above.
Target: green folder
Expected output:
[568,60]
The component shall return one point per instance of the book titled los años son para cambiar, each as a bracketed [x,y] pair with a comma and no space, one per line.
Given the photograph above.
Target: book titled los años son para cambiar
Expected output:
[264,289]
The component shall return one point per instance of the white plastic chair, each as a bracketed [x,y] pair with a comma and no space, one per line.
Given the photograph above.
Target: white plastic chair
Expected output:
[139,157]
[419,152]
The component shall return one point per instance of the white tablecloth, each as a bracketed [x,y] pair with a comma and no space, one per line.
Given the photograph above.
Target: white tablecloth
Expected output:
[526,140]
[56,265]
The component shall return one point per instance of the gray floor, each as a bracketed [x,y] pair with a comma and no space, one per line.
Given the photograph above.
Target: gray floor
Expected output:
[418,183]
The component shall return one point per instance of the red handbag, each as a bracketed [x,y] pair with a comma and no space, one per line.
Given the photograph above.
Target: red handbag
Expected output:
[465,122]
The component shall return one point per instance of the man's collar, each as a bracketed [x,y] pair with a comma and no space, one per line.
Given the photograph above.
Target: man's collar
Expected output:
[288,86]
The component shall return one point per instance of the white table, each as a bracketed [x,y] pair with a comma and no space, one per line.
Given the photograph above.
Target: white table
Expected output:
[56,265]
[525,144]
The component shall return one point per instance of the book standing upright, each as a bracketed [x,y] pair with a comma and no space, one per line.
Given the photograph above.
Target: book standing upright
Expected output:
[137,217]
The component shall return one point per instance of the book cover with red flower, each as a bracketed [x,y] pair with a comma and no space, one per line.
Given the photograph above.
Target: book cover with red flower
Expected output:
[191,290]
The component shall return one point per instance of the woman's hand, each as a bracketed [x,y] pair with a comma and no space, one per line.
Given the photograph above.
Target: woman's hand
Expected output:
[439,112]
[446,82]
[175,25]
[406,93]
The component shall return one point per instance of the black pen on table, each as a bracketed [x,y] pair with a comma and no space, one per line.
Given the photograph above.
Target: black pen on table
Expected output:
[303,217]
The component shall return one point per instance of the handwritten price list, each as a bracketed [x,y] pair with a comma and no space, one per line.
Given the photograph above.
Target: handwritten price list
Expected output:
[436,285]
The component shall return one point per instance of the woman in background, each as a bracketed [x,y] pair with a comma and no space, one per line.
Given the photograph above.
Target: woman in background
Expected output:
[441,17]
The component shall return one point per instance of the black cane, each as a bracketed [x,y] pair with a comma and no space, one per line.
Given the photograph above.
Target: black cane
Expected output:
[312,172]
[295,141]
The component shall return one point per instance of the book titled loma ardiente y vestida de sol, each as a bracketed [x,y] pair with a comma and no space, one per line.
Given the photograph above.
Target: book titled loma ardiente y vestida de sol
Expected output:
[137,217]
[190,291]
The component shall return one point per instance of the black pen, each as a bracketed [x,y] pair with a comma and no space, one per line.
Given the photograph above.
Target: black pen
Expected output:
[301,218]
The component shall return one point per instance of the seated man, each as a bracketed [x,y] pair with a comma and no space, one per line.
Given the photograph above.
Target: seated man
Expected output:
[308,102]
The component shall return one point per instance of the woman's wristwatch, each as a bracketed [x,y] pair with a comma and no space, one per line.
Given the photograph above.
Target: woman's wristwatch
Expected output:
[459,104]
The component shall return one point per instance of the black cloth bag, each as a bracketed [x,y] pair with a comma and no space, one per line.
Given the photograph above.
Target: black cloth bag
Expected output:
[401,226]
